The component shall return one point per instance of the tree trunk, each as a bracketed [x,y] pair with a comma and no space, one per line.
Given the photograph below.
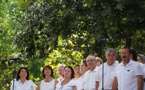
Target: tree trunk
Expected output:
[128,42]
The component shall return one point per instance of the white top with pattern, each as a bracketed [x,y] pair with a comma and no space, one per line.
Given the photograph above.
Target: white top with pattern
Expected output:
[47,85]
[67,86]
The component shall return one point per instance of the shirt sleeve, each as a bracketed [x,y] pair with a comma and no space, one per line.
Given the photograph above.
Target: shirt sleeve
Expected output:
[73,83]
[138,69]
[97,75]
[32,86]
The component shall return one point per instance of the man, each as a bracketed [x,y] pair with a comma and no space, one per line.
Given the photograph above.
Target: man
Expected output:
[128,74]
[141,61]
[108,73]
[140,58]
[89,82]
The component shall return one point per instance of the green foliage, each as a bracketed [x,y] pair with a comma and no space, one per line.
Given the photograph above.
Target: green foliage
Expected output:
[54,32]
[64,57]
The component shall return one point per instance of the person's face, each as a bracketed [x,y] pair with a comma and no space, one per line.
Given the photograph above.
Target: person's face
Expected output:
[83,68]
[61,71]
[67,72]
[125,55]
[77,70]
[91,62]
[47,71]
[139,59]
[23,73]
[98,63]
[110,56]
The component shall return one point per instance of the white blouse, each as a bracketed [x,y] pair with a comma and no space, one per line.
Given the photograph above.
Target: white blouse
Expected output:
[78,83]
[47,85]
[67,86]
[59,80]
[28,85]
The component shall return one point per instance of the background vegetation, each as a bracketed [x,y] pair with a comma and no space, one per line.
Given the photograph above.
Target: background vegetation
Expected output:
[54,32]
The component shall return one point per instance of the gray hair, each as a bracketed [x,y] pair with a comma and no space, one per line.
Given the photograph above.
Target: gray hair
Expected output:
[142,57]
[91,56]
[111,50]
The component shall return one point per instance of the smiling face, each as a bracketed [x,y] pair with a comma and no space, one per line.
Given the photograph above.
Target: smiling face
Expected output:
[23,73]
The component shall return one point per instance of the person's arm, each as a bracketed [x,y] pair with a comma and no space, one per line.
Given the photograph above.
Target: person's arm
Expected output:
[140,82]
[115,83]
[74,88]
[97,85]
[38,86]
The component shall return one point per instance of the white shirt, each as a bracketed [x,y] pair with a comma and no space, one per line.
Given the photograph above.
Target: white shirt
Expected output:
[89,80]
[28,85]
[79,82]
[47,85]
[67,86]
[108,75]
[143,68]
[59,80]
[127,75]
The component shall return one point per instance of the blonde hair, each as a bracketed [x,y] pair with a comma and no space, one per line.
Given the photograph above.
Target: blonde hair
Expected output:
[99,60]
[61,66]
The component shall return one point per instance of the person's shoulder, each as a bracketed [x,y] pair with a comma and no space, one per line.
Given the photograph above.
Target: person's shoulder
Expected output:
[30,81]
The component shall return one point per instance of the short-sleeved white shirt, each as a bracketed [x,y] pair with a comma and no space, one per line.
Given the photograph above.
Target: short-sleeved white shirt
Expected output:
[108,75]
[79,82]
[143,68]
[127,75]
[67,86]
[28,85]
[89,80]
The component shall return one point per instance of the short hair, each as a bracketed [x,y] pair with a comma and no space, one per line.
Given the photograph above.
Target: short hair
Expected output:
[125,47]
[91,56]
[49,68]
[142,57]
[99,59]
[76,66]
[134,54]
[18,72]
[72,71]
[85,62]
[111,50]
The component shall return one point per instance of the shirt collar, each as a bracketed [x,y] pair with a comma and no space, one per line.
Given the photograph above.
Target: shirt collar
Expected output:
[21,82]
[94,69]
[130,62]
[114,64]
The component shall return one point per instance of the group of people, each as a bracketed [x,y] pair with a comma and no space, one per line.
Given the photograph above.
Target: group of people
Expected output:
[91,74]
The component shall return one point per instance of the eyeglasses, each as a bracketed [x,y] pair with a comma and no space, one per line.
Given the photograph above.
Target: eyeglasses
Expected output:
[90,60]
[77,69]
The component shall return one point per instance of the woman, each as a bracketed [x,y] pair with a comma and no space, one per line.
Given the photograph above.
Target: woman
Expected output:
[99,61]
[84,68]
[48,83]
[68,83]
[60,71]
[23,82]
[77,72]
